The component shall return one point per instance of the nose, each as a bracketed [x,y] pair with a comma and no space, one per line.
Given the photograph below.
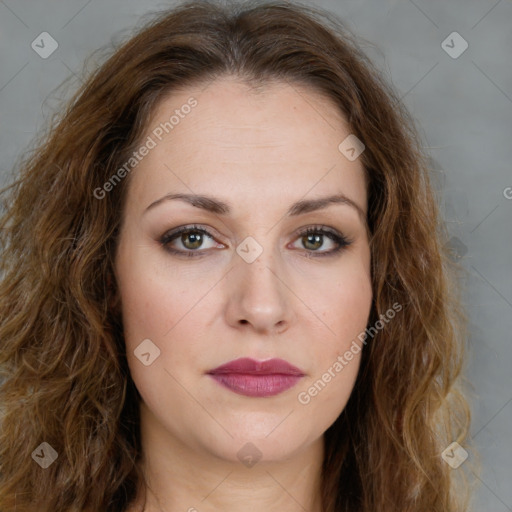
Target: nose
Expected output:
[258,297]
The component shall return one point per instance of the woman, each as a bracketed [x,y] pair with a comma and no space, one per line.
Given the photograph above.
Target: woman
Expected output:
[224,283]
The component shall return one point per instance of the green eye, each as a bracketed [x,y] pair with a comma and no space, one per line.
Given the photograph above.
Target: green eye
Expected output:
[192,238]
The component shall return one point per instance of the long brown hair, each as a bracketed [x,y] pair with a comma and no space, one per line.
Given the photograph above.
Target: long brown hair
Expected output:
[64,378]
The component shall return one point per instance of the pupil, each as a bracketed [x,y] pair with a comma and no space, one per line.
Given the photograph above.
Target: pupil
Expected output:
[314,238]
[196,240]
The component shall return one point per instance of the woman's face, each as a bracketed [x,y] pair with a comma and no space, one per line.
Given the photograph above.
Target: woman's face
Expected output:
[252,284]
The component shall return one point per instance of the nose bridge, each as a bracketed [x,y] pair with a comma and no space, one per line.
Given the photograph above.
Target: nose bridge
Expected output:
[260,275]
[259,295]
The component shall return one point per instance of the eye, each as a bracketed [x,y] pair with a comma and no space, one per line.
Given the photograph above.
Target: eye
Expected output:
[191,238]
[313,238]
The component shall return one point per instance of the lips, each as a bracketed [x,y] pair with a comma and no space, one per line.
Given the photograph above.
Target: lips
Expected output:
[253,367]
[257,378]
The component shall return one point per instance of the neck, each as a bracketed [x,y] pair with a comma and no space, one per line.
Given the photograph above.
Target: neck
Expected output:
[181,477]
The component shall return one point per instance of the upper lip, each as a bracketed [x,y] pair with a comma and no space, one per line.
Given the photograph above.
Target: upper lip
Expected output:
[249,366]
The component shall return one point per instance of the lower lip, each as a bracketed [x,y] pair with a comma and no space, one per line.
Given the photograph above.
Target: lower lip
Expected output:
[256,385]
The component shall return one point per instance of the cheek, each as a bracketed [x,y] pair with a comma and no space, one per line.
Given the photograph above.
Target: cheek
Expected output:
[345,303]
[160,311]
[156,297]
[337,355]
[151,302]
[149,309]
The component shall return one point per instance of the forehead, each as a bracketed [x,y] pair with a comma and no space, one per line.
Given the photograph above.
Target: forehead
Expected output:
[234,139]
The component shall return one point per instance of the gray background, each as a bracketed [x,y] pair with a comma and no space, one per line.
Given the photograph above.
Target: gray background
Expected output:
[463,106]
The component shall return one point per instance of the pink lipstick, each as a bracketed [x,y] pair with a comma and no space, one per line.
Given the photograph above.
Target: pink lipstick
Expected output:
[257,378]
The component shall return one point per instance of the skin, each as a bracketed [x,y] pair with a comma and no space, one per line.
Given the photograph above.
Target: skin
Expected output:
[259,151]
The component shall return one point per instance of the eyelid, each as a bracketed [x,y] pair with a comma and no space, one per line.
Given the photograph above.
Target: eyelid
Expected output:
[173,234]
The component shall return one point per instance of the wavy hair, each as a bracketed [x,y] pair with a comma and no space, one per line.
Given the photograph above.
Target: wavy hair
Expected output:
[64,378]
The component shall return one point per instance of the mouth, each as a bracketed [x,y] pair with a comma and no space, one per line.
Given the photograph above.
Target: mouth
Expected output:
[257,378]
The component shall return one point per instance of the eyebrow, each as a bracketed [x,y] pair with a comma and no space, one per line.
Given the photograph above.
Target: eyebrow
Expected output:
[214,205]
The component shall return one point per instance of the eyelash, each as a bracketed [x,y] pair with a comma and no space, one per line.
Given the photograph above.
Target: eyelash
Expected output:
[336,237]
